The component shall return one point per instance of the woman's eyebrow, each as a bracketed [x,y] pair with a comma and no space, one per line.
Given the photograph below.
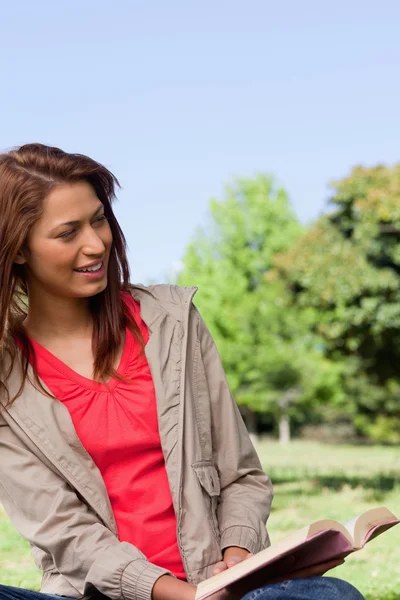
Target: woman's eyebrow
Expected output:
[76,222]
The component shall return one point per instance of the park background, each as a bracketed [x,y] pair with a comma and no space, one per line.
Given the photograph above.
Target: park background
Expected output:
[257,145]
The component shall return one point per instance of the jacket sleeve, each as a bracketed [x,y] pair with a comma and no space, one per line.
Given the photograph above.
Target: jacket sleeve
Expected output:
[246,491]
[50,515]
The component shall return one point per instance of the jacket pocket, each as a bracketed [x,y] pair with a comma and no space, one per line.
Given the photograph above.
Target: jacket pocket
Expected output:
[208,478]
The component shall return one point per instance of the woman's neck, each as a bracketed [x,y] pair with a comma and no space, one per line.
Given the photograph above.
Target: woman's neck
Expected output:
[53,316]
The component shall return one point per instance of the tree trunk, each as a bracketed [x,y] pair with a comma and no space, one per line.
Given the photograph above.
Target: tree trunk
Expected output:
[284,429]
[285,402]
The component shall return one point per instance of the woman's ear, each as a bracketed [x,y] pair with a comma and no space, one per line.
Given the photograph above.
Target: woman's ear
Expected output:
[20,258]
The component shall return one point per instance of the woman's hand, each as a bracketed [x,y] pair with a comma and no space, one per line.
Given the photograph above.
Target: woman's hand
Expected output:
[232,556]
[170,588]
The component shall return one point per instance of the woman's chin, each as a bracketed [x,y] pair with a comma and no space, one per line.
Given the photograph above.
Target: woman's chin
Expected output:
[91,290]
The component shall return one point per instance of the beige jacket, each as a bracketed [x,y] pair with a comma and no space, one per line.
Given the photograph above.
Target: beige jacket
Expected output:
[56,497]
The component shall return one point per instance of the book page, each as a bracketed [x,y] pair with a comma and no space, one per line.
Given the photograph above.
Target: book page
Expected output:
[368,524]
[325,524]
[351,527]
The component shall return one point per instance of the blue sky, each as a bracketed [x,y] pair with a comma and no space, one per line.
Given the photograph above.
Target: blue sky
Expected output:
[177,97]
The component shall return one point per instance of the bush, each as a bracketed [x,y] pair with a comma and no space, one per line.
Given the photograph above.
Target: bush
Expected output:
[384,430]
[330,433]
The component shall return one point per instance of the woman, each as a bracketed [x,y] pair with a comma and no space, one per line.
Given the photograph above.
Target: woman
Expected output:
[123,459]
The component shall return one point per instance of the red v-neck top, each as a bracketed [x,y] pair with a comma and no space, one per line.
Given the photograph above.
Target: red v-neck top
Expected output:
[117,424]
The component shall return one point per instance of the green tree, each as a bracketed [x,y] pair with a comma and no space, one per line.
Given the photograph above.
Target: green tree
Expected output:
[272,362]
[347,268]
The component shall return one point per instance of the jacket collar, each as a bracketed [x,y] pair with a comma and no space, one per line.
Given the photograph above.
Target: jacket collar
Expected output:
[158,300]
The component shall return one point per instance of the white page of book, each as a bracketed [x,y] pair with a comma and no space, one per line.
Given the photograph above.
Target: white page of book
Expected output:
[351,526]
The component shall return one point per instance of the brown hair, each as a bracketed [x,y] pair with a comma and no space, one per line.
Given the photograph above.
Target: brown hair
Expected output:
[27,175]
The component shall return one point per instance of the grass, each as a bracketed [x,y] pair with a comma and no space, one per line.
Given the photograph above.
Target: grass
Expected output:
[16,563]
[311,481]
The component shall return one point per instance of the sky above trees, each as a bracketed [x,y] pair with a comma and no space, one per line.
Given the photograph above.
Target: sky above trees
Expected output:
[177,97]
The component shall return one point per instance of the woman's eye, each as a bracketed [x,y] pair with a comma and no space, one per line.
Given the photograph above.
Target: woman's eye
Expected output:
[67,234]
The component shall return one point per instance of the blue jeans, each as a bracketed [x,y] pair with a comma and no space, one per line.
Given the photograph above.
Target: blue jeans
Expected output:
[313,588]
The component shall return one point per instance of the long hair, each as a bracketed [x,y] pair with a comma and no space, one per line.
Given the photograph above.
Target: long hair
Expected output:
[27,176]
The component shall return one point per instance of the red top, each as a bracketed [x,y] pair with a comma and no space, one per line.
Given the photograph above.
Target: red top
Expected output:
[118,426]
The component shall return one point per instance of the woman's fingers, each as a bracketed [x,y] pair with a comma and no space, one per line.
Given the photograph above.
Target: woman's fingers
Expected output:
[234,560]
[222,565]
[219,567]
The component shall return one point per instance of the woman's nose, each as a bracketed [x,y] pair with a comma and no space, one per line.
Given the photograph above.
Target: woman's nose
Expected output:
[93,244]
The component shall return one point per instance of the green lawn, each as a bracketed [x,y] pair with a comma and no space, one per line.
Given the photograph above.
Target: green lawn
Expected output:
[311,481]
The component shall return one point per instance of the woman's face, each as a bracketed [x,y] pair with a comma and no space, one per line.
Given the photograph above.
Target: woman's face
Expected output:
[71,235]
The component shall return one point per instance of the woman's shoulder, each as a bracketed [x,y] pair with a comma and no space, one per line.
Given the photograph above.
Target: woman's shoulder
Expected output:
[173,298]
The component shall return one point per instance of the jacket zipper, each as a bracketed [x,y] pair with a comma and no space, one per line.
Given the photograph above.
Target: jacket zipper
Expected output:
[181,429]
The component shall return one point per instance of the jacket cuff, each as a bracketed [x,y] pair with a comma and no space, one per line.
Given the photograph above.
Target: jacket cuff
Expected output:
[243,537]
[138,579]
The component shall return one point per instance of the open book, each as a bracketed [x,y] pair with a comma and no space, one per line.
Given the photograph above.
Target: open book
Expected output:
[318,543]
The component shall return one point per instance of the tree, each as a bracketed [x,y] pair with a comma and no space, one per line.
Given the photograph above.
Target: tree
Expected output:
[272,362]
[347,268]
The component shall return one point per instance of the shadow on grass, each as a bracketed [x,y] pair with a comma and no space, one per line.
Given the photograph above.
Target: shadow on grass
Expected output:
[387,596]
[379,482]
